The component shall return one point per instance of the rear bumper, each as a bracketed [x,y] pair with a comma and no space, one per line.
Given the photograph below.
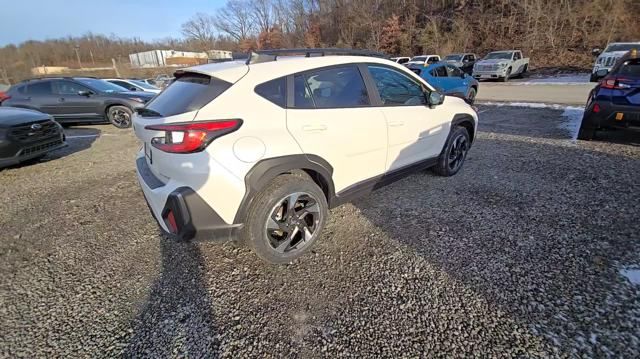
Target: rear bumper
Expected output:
[180,212]
[611,115]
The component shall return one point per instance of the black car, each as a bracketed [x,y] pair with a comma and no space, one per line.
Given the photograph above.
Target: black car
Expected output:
[27,135]
[615,101]
[77,99]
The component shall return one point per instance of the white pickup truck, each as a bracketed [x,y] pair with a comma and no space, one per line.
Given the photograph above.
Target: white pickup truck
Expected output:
[501,65]
[607,58]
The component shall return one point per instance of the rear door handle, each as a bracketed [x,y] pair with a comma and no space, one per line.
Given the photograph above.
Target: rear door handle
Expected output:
[314,128]
[396,123]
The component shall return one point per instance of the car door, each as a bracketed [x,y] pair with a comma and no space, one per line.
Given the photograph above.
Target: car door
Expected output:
[75,105]
[330,116]
[39,95]
[415,131]
[442,78]
[457,83]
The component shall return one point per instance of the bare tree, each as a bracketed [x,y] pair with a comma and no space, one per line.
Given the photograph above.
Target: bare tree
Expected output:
[200,29]
[235,19]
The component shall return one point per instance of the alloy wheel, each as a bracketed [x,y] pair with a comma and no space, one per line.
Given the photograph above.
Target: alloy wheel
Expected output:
[120,118]
[292,223]
[459,148]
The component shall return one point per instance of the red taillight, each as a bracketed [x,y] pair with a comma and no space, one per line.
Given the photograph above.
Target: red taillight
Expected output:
[614,83]
[191,137]
[596,108]
[4,96]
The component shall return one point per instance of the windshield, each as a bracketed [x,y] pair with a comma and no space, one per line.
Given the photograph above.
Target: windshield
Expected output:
[621,47]
[498,55]
[419,58]
[453,57]
[144,85]
[101,85]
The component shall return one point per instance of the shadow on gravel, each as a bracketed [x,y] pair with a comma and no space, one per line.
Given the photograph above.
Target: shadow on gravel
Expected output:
[536,229]
[177,319]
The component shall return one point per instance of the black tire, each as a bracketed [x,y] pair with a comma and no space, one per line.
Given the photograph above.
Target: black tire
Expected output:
[120,116]
[523,74]
[586,133]
[454,152]
[471,96]
[506,76]
[271,222]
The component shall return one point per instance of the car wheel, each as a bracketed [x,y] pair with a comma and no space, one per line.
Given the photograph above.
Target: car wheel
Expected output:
[506,76]
[120,116]
[586,133]
[454,153]
[471,96]
[286,218]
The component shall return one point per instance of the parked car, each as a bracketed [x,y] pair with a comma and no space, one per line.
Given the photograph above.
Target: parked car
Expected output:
[400,60]
[501,65]
[449,79]
[78,99]
[424,60]
[135,85]
[27,135]
[320,131]
[162,81]
[464,61]
[607,59]
[615,100]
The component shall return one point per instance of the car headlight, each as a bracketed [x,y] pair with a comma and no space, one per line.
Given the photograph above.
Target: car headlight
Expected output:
[502,65]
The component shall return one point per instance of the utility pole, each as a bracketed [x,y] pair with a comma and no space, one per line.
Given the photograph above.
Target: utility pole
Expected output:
[77,48]
[92,60]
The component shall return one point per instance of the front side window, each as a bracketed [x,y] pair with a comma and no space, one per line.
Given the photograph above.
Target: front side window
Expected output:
[274,91]
[439,72]
[40,88]
[516,56]
[453,71]
[337,87]
[395,88]
[432,60]
[69,88]
[124,85]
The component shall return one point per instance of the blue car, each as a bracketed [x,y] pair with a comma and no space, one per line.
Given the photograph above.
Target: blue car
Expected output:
[449,80]
[615,101]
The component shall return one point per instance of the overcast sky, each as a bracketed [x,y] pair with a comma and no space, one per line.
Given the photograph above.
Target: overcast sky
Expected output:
[22,20]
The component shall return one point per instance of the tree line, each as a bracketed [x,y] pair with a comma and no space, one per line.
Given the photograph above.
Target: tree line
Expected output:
[551,32]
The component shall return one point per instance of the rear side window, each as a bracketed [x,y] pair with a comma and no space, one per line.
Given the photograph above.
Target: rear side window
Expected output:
[338,87]
[189,92]
[40,88]
[631,67]
[274,91]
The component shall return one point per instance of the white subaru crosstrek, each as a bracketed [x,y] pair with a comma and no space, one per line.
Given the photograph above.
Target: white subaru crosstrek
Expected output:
[260,150]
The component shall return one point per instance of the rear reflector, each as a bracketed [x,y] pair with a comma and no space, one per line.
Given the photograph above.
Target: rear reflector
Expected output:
[192,136]
[171,222]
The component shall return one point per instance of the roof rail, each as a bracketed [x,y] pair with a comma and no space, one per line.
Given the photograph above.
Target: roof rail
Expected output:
[272,55]
[57,77]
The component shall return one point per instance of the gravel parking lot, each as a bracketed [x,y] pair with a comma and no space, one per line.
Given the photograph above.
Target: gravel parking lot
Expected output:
[519,255]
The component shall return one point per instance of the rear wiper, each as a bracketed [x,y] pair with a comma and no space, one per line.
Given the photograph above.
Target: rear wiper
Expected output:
[145,112]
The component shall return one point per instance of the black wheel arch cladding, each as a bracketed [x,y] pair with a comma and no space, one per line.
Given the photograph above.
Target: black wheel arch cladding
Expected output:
[266,170]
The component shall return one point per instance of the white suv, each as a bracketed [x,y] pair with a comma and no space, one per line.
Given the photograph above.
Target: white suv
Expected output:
[260,150]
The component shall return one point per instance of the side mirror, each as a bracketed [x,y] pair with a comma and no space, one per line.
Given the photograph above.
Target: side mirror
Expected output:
[435,98]
[596,52]
[602,72]
[85,93]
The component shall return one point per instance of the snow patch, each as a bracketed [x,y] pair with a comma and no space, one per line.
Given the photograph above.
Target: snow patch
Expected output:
[572,114]
[632,274]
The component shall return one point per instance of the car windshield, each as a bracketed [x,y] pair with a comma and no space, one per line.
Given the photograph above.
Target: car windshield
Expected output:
[101,85]
[453,57]
[419,58]
[498,56]
[621,47]
[144,85]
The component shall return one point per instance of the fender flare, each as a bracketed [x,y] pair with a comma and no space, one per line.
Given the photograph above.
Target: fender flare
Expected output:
[266,170]
[465,119]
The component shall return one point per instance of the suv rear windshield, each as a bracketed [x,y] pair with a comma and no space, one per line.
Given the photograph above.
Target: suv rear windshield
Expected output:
[631,67]
[189,92]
